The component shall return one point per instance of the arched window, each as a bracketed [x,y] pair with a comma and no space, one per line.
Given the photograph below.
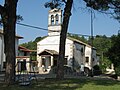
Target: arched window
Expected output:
[57,19]
[52,20]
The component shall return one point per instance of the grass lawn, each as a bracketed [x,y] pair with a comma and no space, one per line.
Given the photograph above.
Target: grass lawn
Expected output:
[67,84]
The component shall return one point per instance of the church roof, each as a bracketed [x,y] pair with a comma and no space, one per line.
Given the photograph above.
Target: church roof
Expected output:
[78,41]
[48,52]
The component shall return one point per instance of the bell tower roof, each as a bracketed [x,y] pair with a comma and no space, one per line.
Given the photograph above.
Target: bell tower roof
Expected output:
[54,21]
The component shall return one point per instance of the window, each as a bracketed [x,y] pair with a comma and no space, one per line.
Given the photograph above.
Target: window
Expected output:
[25,53]
[52,20]
[4,65]
[23,65]
[57,19]
[65,61]
[49,63]
[87,59]
[43,61]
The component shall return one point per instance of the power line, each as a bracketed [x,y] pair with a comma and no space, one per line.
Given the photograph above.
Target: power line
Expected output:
[44,29]
[32,26]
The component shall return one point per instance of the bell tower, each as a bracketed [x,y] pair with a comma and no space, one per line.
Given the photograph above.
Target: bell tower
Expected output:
[54,22]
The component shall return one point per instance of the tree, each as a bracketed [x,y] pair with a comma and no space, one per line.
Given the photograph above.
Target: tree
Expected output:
[32,45]
[8,16]
[114,53]
[79,37]
[66,17]
[102,44]
[107,6]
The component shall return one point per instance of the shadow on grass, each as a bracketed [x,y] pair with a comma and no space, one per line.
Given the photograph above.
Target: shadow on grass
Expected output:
[73,84]
[66,84]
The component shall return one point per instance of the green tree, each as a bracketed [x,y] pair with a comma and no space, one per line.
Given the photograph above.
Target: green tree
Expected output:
[107,6]
[102,44]
[79,37]
[8,16]
[32,45]
[114,52]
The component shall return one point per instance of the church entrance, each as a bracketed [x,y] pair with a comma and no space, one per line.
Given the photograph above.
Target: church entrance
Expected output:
[46,62]
[48,59]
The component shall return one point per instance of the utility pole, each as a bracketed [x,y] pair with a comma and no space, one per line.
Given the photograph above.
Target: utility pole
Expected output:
[91,41]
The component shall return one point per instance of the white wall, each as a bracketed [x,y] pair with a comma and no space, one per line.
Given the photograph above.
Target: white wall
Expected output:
[0,51]
[78,55]
[2,54]
[88,54]
[52,43]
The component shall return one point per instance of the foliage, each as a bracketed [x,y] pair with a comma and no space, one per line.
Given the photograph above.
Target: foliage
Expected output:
[109,6]
[19,18]
[76,36]
[102,44]
[114,52]
[32,45]
[97,70]
[53,4]
[104,63]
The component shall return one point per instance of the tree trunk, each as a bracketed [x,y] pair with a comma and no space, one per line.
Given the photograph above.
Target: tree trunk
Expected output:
[60,63]
[9,24]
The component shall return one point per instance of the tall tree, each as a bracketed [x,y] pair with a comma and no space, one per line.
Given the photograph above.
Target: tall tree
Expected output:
[8,15]
[114,52]
[63,34]
[102,43]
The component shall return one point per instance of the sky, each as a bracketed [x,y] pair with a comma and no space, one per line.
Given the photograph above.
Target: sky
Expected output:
[34,13]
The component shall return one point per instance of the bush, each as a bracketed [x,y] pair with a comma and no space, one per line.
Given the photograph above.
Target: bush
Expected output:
[97,70]
[117,70]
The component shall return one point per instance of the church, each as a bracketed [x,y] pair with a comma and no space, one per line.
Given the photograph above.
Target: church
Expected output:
[77,53]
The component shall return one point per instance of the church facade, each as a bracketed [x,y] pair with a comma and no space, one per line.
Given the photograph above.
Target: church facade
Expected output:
[77,53]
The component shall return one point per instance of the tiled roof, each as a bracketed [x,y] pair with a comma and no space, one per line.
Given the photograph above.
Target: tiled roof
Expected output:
[25,49]
[78,41]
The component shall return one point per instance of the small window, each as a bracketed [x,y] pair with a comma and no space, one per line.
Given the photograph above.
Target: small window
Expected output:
[23,65]
[43,61]
[4,65]
[25,53]
[52,20]
[65,61]
[57,19]
[87,59]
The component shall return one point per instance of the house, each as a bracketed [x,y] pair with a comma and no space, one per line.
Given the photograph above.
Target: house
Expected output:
[77,53]
[23,60]
[2,54]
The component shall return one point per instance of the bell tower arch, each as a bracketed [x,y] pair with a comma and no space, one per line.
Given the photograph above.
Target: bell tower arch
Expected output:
[54,21]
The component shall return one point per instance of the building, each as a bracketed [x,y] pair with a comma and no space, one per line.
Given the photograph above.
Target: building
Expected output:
[2,54]
[23,60]
[77,53]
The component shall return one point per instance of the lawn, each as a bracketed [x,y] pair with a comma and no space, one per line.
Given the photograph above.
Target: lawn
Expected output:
[68,84]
